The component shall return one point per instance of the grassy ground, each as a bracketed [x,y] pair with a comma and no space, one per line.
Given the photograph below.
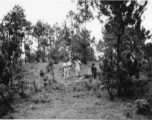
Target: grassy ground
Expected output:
[70,104]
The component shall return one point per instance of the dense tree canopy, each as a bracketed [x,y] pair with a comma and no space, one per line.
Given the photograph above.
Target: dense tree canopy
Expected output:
[122,35]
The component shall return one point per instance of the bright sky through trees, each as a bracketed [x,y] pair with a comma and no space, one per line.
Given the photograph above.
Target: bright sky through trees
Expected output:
[53,11]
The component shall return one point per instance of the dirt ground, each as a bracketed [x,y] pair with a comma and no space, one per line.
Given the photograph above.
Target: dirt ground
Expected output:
[70,104]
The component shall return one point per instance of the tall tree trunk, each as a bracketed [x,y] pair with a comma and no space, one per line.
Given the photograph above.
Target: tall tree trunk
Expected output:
[38,42]
[38,59]
[11,66]
[122,26]
[44,54]
[84,57]
[118,70]
[21,54]
[11,72]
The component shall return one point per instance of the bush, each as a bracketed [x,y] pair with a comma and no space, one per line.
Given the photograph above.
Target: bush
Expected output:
[150,100]
[141,86]
[56,62]
[142,106]
[119,77]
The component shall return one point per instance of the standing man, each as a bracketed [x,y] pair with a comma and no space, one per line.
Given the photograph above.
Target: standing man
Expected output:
[77,68]
[69,65]
[94,71]
[66,69]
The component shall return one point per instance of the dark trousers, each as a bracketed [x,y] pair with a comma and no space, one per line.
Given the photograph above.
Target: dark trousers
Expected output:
[94,75]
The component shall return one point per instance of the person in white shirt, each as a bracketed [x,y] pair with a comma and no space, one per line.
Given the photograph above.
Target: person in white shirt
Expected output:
[66,69]
[69,65]
[77,68]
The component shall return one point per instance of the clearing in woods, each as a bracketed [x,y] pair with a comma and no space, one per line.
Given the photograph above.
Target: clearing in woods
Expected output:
[68,104]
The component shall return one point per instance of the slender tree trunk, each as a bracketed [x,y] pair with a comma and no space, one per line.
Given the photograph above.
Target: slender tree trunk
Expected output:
[21,54]
[38,59]
[11,72]
[38,42]
[119,92]
[44,55]
[84,57]
[11,67]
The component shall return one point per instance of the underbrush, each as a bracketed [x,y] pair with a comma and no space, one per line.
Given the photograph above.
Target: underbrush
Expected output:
[16,90]
[136,90]
[94,88]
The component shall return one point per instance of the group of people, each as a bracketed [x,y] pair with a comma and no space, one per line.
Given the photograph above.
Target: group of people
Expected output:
[67,66]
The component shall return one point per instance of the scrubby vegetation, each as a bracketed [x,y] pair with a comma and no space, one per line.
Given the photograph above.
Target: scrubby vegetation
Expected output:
[123,72]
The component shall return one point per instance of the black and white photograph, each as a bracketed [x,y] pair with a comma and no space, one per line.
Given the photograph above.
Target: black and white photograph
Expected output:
[76,59]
